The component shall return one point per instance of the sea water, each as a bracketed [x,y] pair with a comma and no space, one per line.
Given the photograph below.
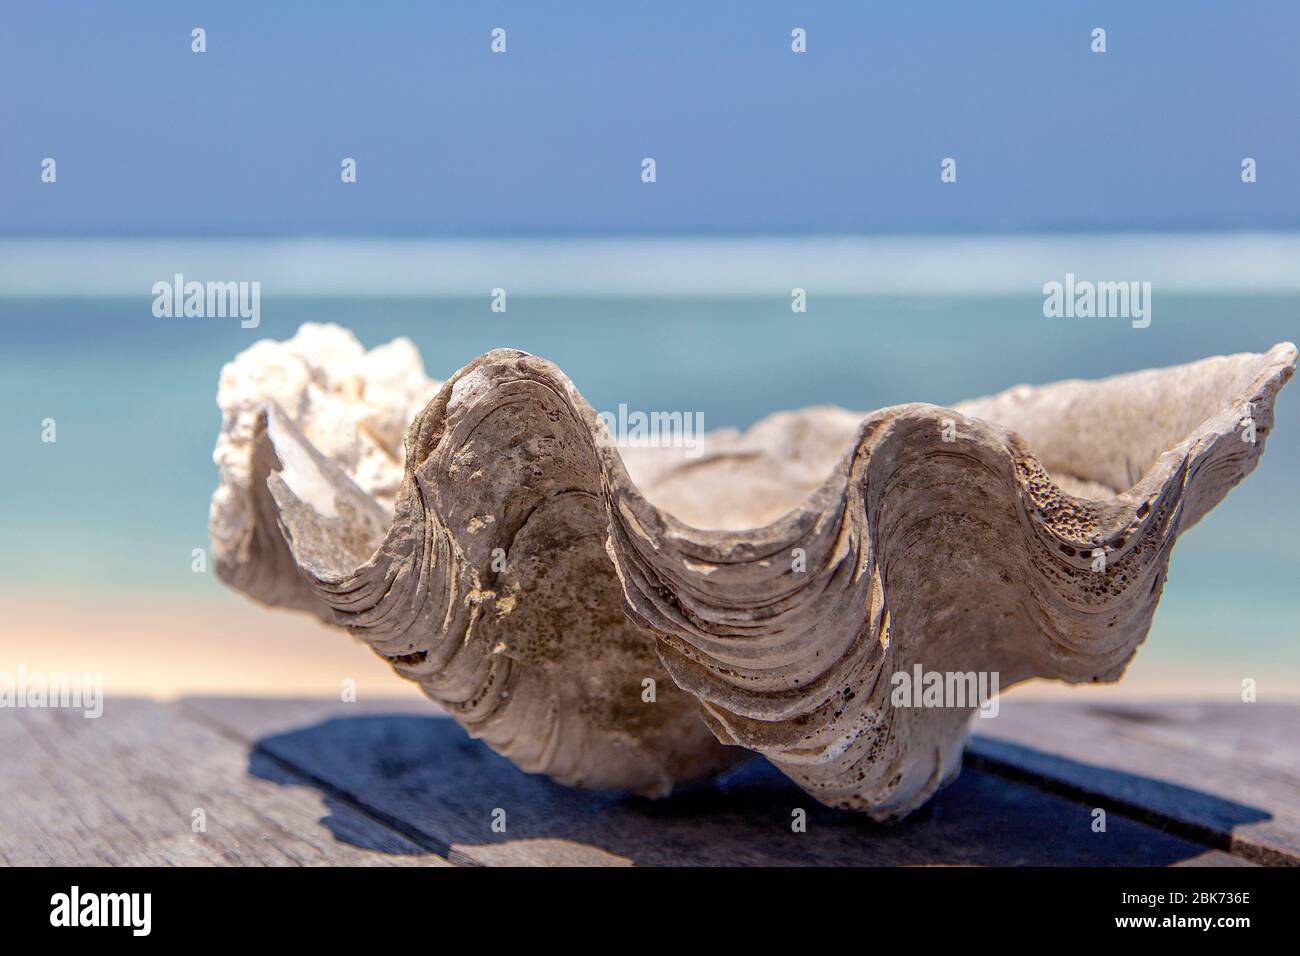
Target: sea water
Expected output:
[120,500]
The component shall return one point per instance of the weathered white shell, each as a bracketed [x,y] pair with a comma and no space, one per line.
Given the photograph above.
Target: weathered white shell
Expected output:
[853,547]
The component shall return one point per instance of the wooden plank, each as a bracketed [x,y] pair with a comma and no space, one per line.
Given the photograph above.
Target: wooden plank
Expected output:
[1225,774]
[420,770]
[121,790]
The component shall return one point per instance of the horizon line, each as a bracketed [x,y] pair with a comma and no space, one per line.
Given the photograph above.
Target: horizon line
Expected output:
[632,265]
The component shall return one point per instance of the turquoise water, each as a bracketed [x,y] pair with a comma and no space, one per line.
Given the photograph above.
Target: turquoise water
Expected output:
[121,498]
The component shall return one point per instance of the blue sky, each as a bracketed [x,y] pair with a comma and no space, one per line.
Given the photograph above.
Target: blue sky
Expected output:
[246,139]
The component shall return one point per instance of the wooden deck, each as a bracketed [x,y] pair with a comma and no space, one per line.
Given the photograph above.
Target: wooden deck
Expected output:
[395,783]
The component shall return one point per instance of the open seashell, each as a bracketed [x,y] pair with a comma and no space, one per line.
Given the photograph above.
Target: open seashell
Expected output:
[562,601]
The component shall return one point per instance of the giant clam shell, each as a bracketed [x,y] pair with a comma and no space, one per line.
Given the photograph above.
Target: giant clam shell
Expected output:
[535,580]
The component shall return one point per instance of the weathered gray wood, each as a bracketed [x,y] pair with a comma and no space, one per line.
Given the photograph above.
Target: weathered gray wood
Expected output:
[392,782]
[422,769]
[1225,774]
[121,790]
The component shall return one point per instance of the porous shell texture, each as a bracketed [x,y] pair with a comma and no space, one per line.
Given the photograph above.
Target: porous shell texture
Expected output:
[612,617]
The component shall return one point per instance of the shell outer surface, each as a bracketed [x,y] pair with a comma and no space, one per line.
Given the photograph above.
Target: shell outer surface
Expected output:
[545,587]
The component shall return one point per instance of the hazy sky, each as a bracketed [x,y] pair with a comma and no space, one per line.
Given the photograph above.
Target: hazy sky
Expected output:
[748,137]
